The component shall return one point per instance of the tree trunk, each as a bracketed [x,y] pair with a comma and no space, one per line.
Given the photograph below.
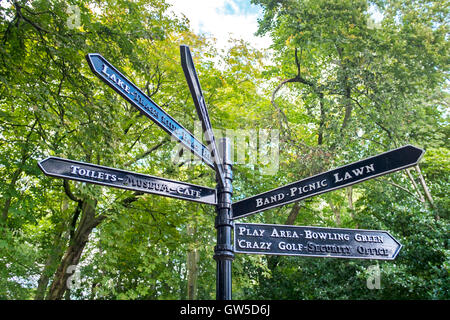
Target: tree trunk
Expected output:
[44,278]
[350,203]
[192,262]
[337,212]
[54,256]
[8,197]
[293,214]
[49,267]
[272,261]
[425,189]
[350,198]
[416,187]
[73,253]
[192,266]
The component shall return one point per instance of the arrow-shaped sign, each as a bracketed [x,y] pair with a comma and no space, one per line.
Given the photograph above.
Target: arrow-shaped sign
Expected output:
[116,80]
[200,105]
[347,175]
[91,173]
[314,241]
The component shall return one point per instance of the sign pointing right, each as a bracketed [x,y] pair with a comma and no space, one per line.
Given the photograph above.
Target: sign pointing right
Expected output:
[384,163]
[315,241]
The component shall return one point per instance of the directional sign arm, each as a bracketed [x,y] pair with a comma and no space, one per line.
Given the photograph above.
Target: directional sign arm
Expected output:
[197,95]
[291,240]
[394,160]
[130,92]
[101,175]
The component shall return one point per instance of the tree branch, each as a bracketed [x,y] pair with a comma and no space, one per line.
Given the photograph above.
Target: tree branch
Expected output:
[376,122]
[298,78]
[68,191]
[408,173]
[425,188]
[402,188]
[21,16]
[293,214]
[147,152]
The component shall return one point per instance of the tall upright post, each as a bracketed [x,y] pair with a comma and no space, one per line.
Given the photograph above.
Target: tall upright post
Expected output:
[223,251]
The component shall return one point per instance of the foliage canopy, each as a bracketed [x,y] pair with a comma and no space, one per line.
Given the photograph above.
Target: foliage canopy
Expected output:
[337,87]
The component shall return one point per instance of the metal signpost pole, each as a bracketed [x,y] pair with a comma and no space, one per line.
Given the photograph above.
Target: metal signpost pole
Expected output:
[223,251]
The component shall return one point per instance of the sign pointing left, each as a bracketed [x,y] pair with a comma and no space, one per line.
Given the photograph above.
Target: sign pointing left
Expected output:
[116,80]
[91,173]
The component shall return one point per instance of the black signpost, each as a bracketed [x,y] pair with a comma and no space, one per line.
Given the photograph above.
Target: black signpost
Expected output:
[200,105]
[394,160]
[223,251]
[314,241]
[116,80]
[248,238]
[91,173]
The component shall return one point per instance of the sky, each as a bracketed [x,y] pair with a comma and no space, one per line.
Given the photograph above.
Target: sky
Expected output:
[223,18]
[236,18]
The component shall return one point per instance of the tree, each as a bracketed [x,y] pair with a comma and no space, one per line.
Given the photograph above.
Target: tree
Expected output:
[54,106]
[348,88]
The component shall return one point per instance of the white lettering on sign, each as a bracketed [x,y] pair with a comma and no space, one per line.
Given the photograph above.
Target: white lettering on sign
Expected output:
[290,246]
[161,186]
[368,238]
[269,200]
[254,244]
[92,174]
[243,231]
[283,234]
[372,251]
[308,187]
[293,192]
[354,173]
[326,235]
[131,93]
[314,241]
[115,79]
[328,248]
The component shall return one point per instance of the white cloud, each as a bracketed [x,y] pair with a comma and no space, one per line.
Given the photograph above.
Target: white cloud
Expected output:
[223,19]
